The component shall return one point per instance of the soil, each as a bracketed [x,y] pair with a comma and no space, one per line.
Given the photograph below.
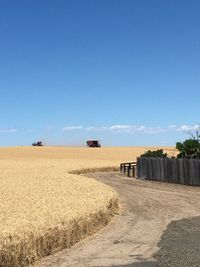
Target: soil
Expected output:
[138,236]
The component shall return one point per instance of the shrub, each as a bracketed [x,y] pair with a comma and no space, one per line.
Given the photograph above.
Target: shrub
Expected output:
[155,154]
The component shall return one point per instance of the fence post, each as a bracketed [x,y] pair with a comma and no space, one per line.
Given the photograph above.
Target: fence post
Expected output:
[128,169]
[133,171]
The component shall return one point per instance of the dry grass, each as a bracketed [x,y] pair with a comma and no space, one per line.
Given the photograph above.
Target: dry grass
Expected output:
[44,207]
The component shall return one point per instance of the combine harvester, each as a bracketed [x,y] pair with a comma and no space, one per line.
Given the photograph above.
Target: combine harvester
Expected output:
[38,143]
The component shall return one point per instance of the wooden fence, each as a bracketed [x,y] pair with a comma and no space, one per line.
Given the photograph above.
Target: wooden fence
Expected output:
[128,168]
[182,171]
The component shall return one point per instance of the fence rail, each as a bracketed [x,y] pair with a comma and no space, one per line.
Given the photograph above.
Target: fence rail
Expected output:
[182,171]
[128,168]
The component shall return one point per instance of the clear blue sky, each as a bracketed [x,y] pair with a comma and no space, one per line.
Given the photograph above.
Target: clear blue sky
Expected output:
[72,70]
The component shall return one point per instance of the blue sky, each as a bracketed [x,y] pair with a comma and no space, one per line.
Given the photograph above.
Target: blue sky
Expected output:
[126,72]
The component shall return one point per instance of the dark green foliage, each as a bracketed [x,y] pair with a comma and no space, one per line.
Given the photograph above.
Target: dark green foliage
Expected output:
[190,148]
[155,154]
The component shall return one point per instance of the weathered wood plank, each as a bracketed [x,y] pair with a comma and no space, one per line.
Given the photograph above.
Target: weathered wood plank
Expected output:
[183,171]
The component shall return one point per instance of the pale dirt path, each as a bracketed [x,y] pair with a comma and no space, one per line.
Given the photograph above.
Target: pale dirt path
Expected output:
[147,208]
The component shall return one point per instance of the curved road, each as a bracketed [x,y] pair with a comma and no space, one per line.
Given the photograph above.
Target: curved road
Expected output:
[131,238]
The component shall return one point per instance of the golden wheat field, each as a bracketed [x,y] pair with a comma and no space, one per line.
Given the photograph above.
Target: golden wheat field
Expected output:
[45,206]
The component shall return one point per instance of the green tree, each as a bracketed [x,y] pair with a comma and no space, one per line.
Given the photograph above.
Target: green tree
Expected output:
[190,148]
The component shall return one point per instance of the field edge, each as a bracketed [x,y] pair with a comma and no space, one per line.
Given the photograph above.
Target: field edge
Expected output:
[95,169]
[60,237]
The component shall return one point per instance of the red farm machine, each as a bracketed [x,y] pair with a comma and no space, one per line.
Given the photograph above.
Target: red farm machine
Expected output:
[93,143]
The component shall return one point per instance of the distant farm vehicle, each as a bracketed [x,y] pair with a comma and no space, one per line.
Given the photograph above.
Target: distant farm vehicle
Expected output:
[93,143]
[39,143]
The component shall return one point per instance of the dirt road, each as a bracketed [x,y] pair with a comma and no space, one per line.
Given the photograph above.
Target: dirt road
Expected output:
[131,238]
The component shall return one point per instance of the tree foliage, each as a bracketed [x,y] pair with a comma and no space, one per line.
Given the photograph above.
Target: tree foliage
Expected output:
[190,148]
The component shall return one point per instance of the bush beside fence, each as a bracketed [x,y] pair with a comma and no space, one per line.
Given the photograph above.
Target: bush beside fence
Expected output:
[183,171]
